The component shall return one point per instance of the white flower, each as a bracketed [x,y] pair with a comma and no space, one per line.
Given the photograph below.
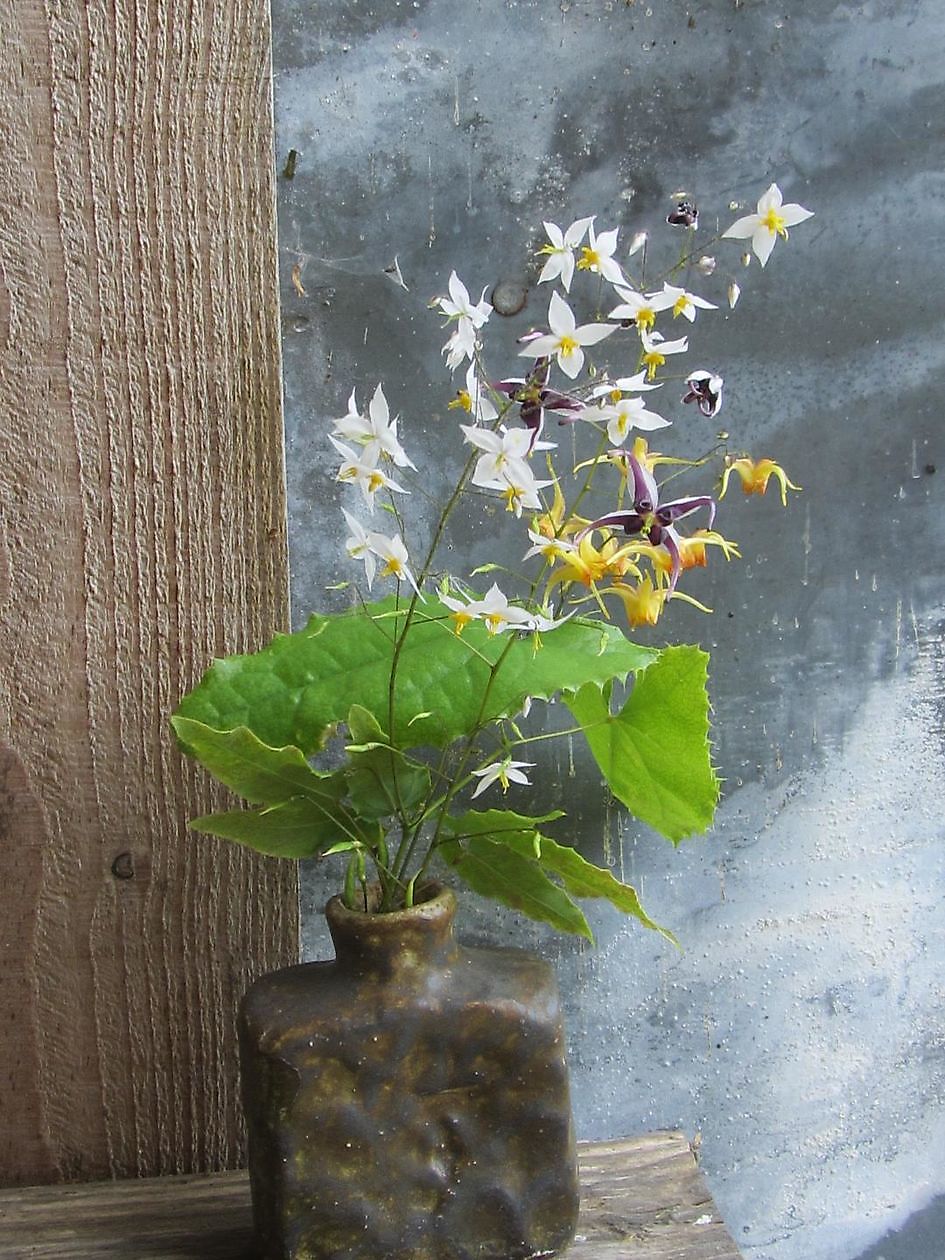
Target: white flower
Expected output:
[459,305]
[474,400]
[394,554]
[468,316]
[358,546]
[624,415]
[377,433]
[494,609]
[504,449]
[364,472]
[636,244]
[685,303]
[519,487]
[771,221]
[505,772]
[460,346]
[561,251]
[642,308]
[565,340]
[550,549]
[544,621]
[614,390]
[597,256]
[656,348]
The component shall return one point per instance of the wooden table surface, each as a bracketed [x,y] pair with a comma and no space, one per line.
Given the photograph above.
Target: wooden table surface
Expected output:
[642,1199]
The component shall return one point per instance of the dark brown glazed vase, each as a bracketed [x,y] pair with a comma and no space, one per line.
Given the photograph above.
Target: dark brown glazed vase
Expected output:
[408,1101]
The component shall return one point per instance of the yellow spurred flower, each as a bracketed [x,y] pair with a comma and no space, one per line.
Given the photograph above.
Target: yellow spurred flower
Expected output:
[642,603]
[755,474]
[692,550]
[588,564]
[645,602]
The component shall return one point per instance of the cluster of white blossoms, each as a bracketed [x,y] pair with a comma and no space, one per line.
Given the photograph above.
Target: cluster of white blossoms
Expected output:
[581,559]
[377,443]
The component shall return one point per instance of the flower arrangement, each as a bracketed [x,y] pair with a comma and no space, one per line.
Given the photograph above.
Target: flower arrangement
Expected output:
[428,686]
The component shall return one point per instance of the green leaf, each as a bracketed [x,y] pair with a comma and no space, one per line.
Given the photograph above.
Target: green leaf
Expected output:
[495,869]
[655,752]
[261,774]
[294,690]
[297,828]
[580,877]
[381,779]
[497,823]
[583,879]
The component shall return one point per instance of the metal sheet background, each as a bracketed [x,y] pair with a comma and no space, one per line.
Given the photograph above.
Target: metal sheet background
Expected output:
[801,1032]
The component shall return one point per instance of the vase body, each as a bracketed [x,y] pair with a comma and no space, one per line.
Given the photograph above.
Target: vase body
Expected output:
[409,1100]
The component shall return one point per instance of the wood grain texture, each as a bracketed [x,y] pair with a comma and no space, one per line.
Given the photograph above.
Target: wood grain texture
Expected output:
[642,1199]
[142,532]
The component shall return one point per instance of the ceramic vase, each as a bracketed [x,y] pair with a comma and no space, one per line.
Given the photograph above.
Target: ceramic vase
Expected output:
[408,1100]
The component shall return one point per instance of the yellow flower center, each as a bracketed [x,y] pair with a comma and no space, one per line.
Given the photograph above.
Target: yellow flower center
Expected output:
[615,396]
[567,345]
[653,360]
[493,622]
[774,223]
[681,305]
[461,620]
[589,259]
[463,399]
[645,317]
[375,481]
[393,568]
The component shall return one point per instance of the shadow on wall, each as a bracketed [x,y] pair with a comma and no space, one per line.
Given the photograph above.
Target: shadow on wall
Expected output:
[922,1235]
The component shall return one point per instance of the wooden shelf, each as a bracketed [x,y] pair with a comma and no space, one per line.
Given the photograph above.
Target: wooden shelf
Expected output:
[641,1198]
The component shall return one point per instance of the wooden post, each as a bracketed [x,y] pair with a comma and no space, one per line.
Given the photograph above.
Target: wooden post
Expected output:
[142,531]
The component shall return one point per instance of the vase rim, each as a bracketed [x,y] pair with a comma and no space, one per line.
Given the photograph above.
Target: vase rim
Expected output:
[438,901]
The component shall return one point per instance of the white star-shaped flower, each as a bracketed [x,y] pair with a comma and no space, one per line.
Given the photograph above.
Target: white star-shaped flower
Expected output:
[566,340]
[505,772]
[624,415]
[597,256]
[685,303]
[376,432]
[358,546]
[474,400]
[656,348]
[771,221]
[364,472]
[393,552]
[504,449]
[468,316]
[561,249]
[642,308]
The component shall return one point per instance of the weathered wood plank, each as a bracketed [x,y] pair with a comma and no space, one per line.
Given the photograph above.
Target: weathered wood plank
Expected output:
[141,532]
[642,1199]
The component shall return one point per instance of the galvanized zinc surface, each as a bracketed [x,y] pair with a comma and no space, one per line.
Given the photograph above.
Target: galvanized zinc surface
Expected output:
[801,1029]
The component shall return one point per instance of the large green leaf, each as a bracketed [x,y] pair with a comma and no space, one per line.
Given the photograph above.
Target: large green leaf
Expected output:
[498,870]
[583,879]
[655,752]
[381,780]
[261,774]
[294,690]
[579,877]
[298,828]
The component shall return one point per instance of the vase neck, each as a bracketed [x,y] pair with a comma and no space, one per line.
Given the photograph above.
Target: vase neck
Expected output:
[402,943]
